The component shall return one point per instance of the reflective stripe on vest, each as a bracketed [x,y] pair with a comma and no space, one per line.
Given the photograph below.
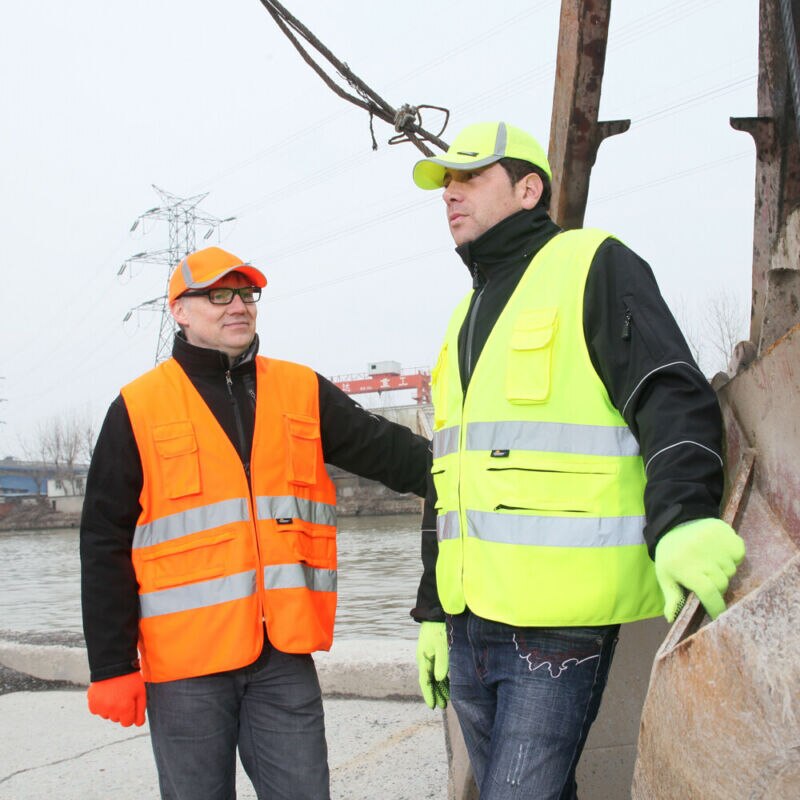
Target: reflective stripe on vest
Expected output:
[300,576]
[448,526]
[445,441]
[198,595]
[552,437]
[195,520]
[291,507]
[555,531]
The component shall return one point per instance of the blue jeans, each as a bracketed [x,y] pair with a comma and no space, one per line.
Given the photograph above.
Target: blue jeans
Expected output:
[271,710]
[525,700]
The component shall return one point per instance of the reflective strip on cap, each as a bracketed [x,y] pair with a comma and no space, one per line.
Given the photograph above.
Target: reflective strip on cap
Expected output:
[289,506]
[552,437]
[186,273]
[445,441]
[501,142]
[448,526]
[528,529]
[194,520]
[198,595]
[299,576]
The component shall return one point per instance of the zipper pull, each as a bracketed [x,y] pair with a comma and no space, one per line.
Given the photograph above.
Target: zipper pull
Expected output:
[475,275]
[229,382]
[626,325]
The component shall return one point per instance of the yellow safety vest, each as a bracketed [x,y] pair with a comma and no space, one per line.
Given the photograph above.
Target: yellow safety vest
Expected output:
[539,479]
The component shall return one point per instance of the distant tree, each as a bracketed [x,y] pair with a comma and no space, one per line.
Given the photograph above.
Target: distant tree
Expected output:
[713,326]
[88,438]
[727,324]
[59,445]
[687,322]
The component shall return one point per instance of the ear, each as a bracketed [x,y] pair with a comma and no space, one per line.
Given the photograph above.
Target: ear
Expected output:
[530,189]
[178,311]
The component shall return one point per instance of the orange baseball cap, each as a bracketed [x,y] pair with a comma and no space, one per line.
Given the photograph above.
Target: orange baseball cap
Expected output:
[204,267]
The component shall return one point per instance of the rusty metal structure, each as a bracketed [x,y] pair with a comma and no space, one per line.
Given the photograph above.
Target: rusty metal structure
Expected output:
[722,714]
[575,132]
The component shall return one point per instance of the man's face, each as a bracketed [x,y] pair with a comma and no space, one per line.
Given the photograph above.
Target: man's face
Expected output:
[478,199]
[228,328]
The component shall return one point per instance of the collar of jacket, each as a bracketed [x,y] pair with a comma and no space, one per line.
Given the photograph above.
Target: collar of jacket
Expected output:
[205,361]
[510,243]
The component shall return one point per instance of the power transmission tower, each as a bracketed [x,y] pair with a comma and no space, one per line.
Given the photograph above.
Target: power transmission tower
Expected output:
[182,217]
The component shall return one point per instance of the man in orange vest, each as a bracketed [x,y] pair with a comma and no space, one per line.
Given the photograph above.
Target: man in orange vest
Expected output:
[208,550]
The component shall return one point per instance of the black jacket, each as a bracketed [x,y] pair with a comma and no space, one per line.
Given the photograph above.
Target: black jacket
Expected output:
[352,438]
[638,352]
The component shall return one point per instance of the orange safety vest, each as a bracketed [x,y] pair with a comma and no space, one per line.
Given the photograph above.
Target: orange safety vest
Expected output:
[214,554]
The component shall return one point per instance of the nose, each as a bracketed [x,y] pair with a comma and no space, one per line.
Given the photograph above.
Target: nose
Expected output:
[237,305]
[450,192]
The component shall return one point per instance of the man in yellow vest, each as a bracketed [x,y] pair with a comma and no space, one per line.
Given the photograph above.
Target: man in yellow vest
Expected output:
[576,464]
[208,544]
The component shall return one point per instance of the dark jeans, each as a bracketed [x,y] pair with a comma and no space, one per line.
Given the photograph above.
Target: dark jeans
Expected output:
[525,700]
[271,710]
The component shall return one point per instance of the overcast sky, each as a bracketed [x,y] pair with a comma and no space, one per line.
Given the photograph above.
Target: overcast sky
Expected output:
[103,99]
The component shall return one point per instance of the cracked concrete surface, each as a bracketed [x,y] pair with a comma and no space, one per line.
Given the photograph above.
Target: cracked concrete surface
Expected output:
[54,748]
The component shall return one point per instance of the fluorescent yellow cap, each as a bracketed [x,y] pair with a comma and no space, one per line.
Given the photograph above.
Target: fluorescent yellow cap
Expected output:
[480,145]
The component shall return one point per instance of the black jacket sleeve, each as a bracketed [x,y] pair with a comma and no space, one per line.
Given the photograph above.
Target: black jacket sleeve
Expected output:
[109,591]
[428,607]
[648,370]
[368,445]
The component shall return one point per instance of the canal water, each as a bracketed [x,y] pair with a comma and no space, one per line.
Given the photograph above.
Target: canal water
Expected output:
[379,569]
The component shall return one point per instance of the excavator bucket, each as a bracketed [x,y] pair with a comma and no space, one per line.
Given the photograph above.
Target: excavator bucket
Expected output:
[722,714]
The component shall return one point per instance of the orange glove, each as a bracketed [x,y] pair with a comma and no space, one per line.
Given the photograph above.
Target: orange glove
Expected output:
[121,699]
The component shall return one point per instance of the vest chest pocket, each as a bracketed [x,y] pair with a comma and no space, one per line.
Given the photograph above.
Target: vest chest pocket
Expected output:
[530,356]
[178,459]
[185,562]
[317,548]
[303,440]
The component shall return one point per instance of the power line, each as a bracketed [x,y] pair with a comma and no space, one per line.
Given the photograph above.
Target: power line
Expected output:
[326,238]
[317,285]
[693,100]
[673,176]
[407,119]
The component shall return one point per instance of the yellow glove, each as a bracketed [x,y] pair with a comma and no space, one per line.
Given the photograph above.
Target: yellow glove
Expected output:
[701,557]
[432,660]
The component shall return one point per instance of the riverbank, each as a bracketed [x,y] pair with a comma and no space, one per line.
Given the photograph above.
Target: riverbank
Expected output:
[355,497]
[35,517]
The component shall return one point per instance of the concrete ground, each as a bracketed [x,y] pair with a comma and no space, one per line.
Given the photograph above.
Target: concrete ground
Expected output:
[54,748]
[383,741]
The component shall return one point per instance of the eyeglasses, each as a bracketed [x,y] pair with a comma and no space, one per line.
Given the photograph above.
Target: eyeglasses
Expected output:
[223,295]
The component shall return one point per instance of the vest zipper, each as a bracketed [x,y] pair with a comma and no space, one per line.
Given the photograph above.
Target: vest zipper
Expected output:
[473,315]
[252,500]
[239,426]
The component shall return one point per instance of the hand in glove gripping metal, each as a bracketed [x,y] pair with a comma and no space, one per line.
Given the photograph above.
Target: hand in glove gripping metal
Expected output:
[432,660]
[701,557]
